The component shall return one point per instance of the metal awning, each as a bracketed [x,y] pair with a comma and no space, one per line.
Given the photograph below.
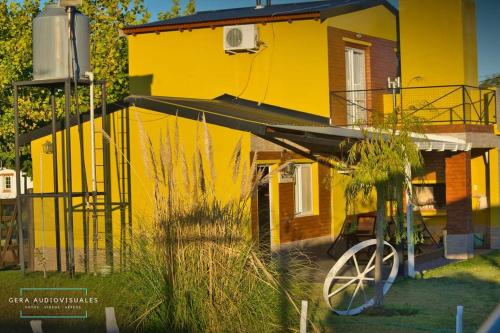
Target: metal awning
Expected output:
[427,142]
[279,125]
[282,126]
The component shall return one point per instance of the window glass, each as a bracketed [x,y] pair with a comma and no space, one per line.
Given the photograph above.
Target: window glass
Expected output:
[303,189]
[8,183]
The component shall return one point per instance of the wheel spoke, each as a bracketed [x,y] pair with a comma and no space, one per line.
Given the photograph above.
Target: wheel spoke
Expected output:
[343,287]
[363,290]
[369,269]
[388,256]
[354,295]
[370,262]
[345,277]
[356,263]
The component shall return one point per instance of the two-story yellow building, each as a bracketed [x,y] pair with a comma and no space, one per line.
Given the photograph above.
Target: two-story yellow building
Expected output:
[285,84]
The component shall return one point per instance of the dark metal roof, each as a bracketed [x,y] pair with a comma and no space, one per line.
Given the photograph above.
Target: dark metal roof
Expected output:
[270,122]
[266,121]
[28,137]
[324,9]
[225,110]
[228,110]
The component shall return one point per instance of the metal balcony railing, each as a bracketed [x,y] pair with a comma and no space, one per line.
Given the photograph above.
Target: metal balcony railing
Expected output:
[444,105]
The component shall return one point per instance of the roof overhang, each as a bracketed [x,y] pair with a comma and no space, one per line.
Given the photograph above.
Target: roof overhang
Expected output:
[273,123]
[424,142]
[315,10]
[286,127]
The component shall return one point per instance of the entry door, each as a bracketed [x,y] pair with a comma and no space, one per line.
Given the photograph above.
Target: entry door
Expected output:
[264,207]
[356,85]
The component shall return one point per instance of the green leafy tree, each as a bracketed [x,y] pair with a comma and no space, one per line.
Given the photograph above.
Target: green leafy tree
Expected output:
[491,81]
[109,49]
[176,9]
[109,52]
[190,7]
[16,65]
[379,162]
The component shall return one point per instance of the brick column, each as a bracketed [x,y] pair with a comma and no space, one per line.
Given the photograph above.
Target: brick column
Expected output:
[459,237]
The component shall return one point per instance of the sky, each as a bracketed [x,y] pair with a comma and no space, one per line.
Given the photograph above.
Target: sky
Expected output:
[488,25]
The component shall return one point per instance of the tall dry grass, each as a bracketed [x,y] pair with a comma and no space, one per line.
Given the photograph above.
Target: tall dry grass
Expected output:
[196,269]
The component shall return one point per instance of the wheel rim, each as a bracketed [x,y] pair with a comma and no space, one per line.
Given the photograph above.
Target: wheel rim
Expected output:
[343,280]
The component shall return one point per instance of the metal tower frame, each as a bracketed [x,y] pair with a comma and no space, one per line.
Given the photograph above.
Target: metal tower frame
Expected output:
[67,194]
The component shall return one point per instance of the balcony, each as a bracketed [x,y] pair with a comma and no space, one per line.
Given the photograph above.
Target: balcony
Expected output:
[434,105]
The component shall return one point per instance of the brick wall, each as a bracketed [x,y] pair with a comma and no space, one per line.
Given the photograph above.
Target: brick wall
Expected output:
[434,163]
[381,62]
[458,193]
[297,228]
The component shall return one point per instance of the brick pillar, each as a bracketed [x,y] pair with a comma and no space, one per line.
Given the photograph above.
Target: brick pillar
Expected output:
[459,237]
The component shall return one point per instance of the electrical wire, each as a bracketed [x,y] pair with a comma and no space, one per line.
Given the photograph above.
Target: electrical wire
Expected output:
[249,76]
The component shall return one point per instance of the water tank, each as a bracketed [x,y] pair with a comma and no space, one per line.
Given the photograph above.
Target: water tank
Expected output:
[50,44]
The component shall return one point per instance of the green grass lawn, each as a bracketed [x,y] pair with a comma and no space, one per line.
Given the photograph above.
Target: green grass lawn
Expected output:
[110,291]
[429,304]
[422,305]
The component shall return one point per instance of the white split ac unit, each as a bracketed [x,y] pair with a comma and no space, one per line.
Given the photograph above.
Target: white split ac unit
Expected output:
[239,38]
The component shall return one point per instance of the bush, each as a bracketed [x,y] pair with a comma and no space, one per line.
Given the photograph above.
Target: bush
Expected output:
[197,270]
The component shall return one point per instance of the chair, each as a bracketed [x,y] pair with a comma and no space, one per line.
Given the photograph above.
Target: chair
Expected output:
[355,232]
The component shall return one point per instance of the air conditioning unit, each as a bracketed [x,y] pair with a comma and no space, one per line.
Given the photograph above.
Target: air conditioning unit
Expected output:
[238,38]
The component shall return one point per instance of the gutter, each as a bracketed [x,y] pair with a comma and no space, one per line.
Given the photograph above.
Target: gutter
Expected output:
[219,23]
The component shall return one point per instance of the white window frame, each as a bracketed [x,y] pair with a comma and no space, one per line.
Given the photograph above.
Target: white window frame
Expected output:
[356,91]
[5,187]
[299,199]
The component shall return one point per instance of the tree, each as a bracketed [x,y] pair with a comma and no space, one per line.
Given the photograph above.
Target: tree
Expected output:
[109,50]
[175,10]
[109,53]
[491,81]
[379,161]
[16,65]
[190,7]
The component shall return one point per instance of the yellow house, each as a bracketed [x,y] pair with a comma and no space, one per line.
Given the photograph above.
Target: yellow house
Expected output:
[286,83]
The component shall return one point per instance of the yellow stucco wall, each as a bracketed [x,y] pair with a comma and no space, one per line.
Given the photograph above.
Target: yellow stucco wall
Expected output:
[44,221]
[376,22]
[479,173]
[438,42]
[155,128]
[494,189]
[193,64]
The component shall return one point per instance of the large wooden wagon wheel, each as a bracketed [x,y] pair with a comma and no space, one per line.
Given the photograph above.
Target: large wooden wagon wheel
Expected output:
[349,287]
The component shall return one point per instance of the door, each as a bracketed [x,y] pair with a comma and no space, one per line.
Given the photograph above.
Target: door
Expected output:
[355,85]
[264,208]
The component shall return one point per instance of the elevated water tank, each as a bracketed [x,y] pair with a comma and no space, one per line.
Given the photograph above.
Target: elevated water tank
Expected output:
[50,44]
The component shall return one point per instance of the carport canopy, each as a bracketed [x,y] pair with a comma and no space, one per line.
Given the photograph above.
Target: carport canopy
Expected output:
[283,126]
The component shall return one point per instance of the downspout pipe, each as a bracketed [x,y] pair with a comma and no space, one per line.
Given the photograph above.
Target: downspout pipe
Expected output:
[398,46]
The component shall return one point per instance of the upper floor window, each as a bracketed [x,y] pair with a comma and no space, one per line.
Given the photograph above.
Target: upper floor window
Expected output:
[303,189]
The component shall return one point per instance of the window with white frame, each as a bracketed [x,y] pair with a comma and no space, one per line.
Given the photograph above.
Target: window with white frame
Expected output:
[7,183]
[303,189]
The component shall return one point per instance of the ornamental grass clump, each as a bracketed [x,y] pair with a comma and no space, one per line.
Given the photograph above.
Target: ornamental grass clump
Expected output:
[195,268]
